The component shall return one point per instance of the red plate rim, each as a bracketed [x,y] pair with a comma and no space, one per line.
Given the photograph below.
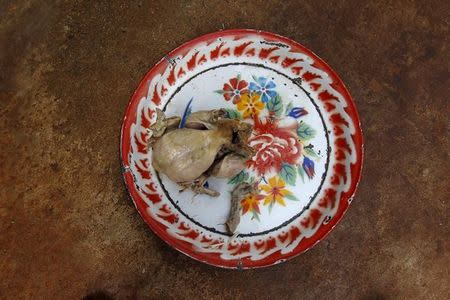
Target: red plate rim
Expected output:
[277,257]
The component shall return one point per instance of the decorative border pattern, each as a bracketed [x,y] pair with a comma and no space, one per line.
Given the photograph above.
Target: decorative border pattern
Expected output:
[281,54]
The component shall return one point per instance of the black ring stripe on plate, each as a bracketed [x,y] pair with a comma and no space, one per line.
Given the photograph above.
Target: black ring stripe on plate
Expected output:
[296,82]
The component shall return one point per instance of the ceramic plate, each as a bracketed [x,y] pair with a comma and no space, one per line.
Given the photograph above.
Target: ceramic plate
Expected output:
[306,134]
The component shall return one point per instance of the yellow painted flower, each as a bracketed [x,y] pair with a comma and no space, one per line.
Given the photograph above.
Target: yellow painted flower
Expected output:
[250,105]
[251,204]
[275,191]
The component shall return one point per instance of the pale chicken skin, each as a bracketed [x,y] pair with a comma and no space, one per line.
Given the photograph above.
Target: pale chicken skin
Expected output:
[208,145]
[185,154]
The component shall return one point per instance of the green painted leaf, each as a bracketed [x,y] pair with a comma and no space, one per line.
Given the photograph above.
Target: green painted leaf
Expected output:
[271,206]
[241,177]
[288,108]
[288,174]
[276,105]
[301,172]
[219,92]
[310,152]
[255,215]
[233,114]
[292,197]
[305,132]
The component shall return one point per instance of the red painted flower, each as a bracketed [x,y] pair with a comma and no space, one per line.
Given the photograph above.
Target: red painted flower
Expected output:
[234,89]
[274,146]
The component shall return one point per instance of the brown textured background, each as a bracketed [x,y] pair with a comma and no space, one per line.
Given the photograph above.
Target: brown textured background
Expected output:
[68,228]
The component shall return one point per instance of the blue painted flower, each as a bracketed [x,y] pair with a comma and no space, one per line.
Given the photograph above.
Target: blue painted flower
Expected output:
[264,88]
[308,166]
[297,112]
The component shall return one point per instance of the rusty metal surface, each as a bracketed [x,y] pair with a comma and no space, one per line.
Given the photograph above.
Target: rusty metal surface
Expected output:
[67,226]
